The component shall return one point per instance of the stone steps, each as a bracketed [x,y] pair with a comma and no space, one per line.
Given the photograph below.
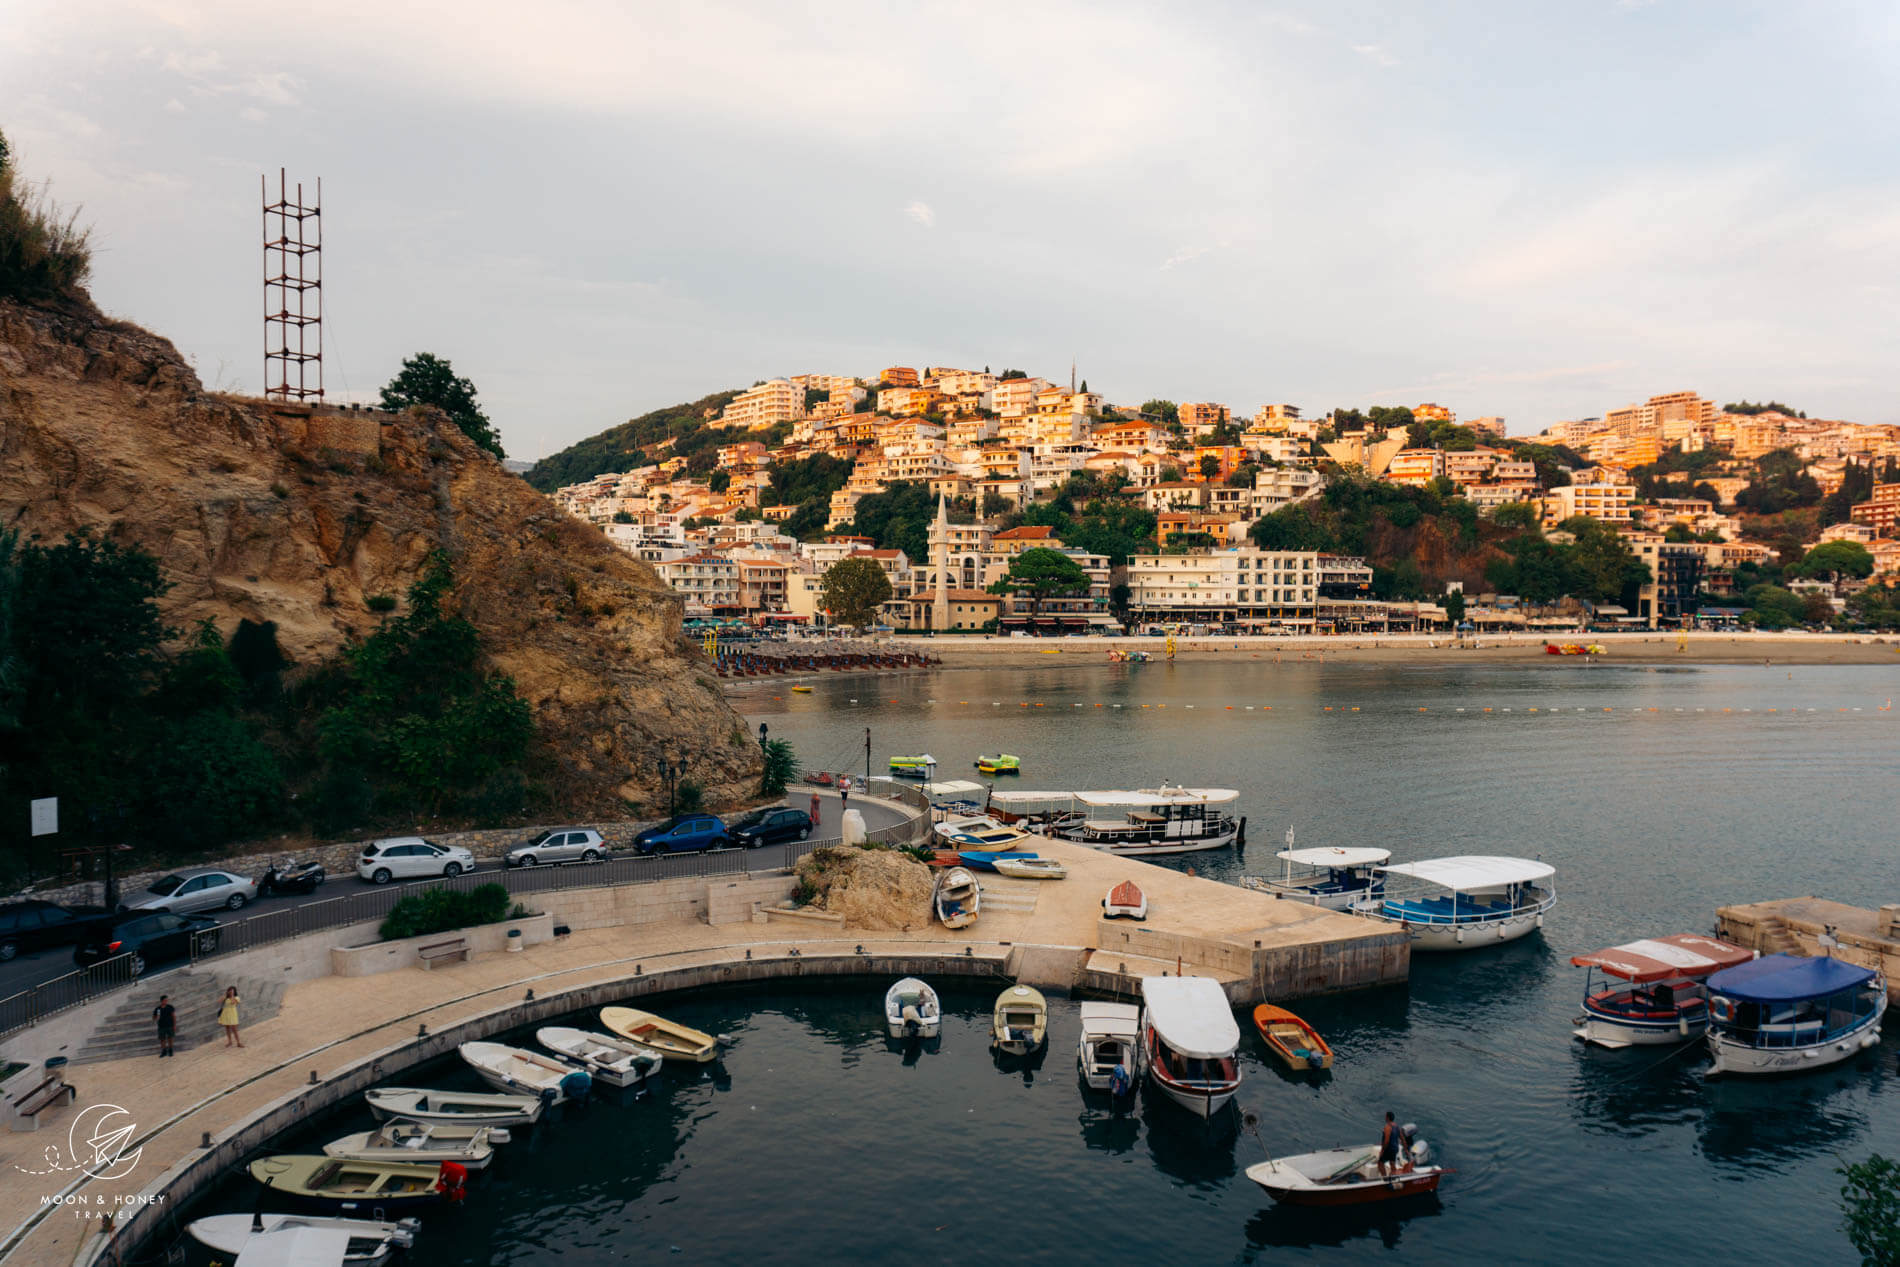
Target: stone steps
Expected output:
[129,1030]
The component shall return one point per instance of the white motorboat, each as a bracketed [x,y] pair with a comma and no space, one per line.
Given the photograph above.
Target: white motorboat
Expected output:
[405,1139]
[1652,991]
[670,1038]
[467,1108]
[608,1058]
[277,1239]
[1031,868]
[1788,1014]
[958,898]
[522,1072]
[1348,1176]
[911,1010]
[1333,878]
[1188,1042]
[1164,820]
[1105,1053]
[979,833]
[1466,902]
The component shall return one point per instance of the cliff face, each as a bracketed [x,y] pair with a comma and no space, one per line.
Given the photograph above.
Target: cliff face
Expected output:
[298,516]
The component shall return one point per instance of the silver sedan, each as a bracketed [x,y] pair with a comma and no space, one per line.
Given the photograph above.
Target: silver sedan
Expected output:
[187,891]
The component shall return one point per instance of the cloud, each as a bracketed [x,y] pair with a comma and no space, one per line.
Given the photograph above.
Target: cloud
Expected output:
[922,214]
[174,106]
[1376,53]
[1188,254]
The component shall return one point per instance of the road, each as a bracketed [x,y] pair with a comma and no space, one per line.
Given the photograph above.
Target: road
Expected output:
[29,970]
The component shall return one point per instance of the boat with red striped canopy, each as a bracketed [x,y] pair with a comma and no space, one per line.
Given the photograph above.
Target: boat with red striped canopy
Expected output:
[1652,992]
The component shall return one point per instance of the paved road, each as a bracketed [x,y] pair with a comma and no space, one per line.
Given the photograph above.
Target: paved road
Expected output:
[34,969]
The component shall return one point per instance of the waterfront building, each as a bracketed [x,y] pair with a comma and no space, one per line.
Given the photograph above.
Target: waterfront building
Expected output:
[708,582]
[1245,586]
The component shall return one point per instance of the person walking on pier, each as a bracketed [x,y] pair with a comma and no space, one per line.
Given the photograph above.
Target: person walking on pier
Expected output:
[228,1017]
[167,1017]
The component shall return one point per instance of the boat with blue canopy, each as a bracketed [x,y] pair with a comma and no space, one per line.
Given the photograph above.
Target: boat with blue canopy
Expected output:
[1332,878]
[1785,1013]
[1462,903]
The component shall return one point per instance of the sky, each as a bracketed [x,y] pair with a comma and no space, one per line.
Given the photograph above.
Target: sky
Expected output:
[1537,211]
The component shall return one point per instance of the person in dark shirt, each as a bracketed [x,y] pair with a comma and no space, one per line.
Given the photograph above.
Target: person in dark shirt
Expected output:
[167,1018]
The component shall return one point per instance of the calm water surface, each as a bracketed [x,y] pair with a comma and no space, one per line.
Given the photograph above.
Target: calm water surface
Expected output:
[819,1141]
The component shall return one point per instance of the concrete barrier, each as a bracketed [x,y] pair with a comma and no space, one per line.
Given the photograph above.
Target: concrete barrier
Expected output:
[388,956]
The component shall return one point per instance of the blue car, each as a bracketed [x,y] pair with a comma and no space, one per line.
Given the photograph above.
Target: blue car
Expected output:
[686,833]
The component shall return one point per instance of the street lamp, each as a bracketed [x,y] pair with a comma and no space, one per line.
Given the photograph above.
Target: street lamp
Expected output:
[762,729]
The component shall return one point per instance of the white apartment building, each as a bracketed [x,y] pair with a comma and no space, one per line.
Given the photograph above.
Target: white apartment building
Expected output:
[1247,585]
[708,582]
[1608,502]
[1017,396]
[765,406]
[965,382]
[1282,486]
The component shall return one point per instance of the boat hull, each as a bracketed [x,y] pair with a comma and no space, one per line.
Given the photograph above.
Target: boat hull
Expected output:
[379,1242]
[392,1102]
[1292,1191]
[1472,935]
[1202,1102]
[1155,848]
[1615,1032]
[1733,1058]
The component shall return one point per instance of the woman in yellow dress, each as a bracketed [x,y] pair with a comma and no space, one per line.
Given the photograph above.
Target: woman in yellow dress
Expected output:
[228,1017]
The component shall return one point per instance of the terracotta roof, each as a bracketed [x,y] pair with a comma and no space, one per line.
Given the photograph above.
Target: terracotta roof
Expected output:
[1028,532]
[874,554]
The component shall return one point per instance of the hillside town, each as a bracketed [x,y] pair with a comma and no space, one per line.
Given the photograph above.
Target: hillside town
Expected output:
[1686,486]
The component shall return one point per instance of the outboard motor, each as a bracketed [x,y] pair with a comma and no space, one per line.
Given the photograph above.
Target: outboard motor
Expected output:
[1414,1148]
[576,1085]
[1119,1083]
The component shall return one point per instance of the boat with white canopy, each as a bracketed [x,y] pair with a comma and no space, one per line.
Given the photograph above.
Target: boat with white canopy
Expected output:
[954,798]
[1652,991]
[1188,1042]
[1786,1014]
[1465,902]
[1333,878]
[1164,820]
[1105,1053]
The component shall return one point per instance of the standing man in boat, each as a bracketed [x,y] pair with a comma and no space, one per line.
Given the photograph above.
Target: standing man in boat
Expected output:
[1389,1147]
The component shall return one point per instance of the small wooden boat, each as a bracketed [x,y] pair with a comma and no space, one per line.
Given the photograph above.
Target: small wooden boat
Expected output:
[671,1039]
[611,1059]
[958,898]
[1347,1176]
[981,833]
[1028,868]
[517,1071]
[358,1187]
[1125,901]
[911,1010]
[1105,1054]
[404,1139]
[980,860]
[1292,1039]
[1002,763]
[467,1108]
[362,1243]
[917,766]
[1020,1022]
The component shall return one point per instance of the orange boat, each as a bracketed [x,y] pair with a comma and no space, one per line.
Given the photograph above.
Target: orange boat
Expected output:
[1125,900]
[1292,1039]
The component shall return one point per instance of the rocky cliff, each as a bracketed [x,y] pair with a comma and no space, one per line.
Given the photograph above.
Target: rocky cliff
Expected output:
[301,515]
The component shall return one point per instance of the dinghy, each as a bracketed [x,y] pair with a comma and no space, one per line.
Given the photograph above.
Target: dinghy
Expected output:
[359,1187]
[364,1243]
[980,861]
[466,1108]
[611,1059]
[1125,901]
[1349,1176]
[671,1039]
[1297,1044]
[404,1139]
[1029,868]
[957,898]
[520,1072]
[1020,1022]
[1105,1054]
[911,1010]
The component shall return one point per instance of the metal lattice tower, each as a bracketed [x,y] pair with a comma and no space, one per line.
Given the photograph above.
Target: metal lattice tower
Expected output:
[293,293]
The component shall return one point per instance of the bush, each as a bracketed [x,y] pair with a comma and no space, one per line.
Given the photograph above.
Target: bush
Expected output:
[689,797]
[380,602]
[443,910]
[43,254]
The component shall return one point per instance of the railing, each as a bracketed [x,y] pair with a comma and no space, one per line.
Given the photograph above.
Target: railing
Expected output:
[32,1006]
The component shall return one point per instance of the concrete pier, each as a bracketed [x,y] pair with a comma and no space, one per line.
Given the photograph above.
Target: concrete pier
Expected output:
[1793,925]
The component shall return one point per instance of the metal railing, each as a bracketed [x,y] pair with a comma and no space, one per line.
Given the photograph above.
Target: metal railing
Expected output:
[61,993]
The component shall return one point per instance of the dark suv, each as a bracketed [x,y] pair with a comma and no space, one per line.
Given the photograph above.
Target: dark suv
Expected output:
[35,925]
[769,826]
[148,936]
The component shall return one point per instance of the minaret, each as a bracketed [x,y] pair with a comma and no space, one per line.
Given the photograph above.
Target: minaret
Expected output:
[940,550]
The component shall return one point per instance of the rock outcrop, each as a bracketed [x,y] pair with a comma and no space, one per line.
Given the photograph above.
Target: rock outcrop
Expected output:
[301,515]
[870,888]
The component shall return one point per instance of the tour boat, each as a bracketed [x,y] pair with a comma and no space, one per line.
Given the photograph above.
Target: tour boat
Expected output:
[1348,1176]
[1333,878]
[1188,1041]
[1125,901]
[1164,820]
[379,1188]
[516,1071]
[477,1108]
[979,860]
[353,1242]
[609,1058]
[1028,867]
[918,766]
[1020,1022]
[671,1039]
[958,898]
[1297,1044]
[1491,900]
[1105,1053]
[1784,1013]
[1002,763]
[981,832]
[1661,998]
[404,1139]
[955,798]
[911,1010]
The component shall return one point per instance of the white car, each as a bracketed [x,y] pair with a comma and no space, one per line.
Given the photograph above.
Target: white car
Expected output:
[411,858]
[186,891]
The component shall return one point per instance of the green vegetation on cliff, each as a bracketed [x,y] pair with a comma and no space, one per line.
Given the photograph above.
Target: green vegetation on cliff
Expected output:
[44,253]
[624,447]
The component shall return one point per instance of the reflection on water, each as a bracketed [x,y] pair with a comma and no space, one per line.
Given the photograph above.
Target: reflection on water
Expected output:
[1767,1124]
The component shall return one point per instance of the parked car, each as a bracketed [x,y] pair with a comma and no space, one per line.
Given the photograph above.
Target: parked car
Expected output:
[684,833]
[411,858]
[148,936]
[185,891]
[558,844]
[35,925]
[769,826]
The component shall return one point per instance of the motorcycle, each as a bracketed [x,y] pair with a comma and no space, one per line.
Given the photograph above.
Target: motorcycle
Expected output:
[290,877]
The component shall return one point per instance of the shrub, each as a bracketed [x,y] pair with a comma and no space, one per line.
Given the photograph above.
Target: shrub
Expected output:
[380,602]
[689,797]
[443,910]
[44,254]
[781,767]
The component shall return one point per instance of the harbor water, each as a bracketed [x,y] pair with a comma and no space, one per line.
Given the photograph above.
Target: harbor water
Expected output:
[818,1140]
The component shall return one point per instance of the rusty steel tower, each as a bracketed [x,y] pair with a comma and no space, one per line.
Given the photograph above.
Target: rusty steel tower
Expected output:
[293,292]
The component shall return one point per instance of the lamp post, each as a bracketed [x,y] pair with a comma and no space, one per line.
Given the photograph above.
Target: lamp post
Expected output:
[762,731]
[667,773]
[867,757]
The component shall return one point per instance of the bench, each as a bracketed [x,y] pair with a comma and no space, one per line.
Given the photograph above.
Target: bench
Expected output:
[50,1093]
[454,949]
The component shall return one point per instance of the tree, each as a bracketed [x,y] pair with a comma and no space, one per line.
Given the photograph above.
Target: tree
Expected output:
[719,481]
[1209,466]
[1165,410]
[854,589]
[1519,515]
[1603,569]
[1837,558]
[1120,596]
[1454,605]
[780,767]
[1042,574]
[427,379]
[1006,375]
[1243,475]
[623,516]
[1870,1202]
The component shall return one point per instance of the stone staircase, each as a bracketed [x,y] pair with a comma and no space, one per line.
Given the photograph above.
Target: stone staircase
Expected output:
[1775,937]
[195,993]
